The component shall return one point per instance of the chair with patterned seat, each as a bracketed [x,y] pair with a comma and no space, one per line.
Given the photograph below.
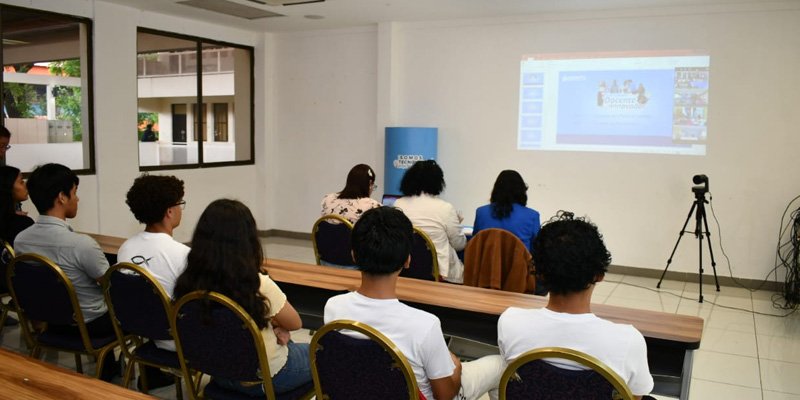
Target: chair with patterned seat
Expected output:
[346,367]
[331,238]
[43,293]
[216,337]
[424,262]
[139,306]
[530,377]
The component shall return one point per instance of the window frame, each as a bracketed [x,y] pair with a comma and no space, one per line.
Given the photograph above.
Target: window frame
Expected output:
[87,91]
[199,42]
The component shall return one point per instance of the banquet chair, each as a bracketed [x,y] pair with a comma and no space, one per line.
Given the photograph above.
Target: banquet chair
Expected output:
[371,367]
[43,293]
[424,262]
[530,377]
[216,337]
[331,238]
[139,306]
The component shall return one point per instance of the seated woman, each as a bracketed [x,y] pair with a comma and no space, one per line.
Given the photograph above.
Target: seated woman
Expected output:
[507,209]
[421,186]
[354,199]
[226,257]
[12,192]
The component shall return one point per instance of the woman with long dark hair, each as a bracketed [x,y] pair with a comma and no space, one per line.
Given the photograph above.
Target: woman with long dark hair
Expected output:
[226,257]
[12,192]
[507,209]
[353,200]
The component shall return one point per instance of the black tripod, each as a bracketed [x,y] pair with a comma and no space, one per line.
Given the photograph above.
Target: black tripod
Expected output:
[701,222]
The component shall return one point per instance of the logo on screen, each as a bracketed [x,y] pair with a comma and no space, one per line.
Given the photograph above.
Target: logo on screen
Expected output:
[405,161]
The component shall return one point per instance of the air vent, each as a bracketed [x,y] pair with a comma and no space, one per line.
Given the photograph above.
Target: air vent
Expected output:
[230,8]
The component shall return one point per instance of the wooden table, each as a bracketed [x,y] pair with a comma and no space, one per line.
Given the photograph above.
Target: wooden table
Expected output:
[472,313]
[23,377]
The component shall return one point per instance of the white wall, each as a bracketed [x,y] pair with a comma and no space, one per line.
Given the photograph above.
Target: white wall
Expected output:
[462,77]
[102,207]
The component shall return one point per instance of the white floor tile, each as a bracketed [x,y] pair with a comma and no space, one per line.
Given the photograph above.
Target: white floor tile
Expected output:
[702,390]
[726,368]
[769,395]
[729,342]
[779,376]
[778,326]
[732,320]
[779,348]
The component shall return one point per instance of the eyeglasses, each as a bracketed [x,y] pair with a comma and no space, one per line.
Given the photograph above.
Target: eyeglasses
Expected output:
[181,204]
[8,147]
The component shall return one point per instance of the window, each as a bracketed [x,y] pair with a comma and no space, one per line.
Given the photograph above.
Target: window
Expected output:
[171,85]
[47,88]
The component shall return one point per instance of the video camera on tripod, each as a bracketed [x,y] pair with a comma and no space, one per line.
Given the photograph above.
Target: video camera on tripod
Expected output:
[700,191]
[698,209]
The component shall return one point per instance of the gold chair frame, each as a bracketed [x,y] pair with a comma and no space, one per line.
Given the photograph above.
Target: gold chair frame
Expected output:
[315,228]
[622,392]
[432,249]
[372,334]
[98,353]
[193,378]
[137,340]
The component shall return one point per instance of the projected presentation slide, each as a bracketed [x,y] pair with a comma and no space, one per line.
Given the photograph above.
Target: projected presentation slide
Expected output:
[641,102]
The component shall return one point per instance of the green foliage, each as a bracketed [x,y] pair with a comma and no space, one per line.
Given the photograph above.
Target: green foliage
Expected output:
[68,99]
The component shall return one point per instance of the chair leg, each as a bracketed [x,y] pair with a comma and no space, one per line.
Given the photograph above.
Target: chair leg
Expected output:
[3,317]
[143,378]
[78,364]
[36,352]
[126,376]
[100,359]
[178,388]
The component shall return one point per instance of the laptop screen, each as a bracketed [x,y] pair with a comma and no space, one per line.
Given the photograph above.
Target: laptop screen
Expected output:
[389,199]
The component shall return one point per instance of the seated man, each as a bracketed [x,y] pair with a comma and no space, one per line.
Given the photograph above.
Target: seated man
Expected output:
[381,244]
[157,202]
[53,190]
[570,259]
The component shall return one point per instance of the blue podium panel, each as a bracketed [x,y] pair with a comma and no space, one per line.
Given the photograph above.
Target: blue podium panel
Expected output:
[404,147]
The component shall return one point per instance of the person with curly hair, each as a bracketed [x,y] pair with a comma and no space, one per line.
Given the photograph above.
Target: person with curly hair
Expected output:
[421,186]
[157,201]
[507,209]
[226,258]
[12,192]
[571,258]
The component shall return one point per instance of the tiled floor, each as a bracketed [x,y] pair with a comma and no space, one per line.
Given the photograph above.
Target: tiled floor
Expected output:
[747,352]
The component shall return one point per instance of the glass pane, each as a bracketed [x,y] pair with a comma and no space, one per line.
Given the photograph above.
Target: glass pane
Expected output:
[166,91]
[44,76]
[227,91]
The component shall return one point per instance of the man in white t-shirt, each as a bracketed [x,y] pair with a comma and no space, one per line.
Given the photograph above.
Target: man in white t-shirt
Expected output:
[157,201]
[570,258]
[381,243]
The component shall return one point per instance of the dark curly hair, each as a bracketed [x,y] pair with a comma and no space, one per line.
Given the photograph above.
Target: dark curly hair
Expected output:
[423,177]
[226,258]
[151,195]
[8,207]
[381,240]
[569,254]
[509,189]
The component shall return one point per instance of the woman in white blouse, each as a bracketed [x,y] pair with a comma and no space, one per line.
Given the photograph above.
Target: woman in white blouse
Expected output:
[421,186]
[354,199]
